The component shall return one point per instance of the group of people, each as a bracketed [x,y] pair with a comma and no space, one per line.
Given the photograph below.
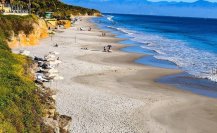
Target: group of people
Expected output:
[107,48]
[103,34]
[85,28]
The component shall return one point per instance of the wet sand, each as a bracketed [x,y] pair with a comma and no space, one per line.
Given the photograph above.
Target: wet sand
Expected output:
[107,92]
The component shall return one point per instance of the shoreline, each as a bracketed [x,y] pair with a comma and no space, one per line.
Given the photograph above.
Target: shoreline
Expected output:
[181,80]
[108,92]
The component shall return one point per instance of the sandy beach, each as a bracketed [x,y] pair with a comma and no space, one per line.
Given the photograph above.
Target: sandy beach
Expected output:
[107,92]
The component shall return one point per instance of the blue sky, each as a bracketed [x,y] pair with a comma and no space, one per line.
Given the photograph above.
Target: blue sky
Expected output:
[159,0]
[182,0]
[198,9]
[148,0]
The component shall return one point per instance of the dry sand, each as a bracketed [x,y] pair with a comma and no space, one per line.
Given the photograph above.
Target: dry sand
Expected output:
[107,92]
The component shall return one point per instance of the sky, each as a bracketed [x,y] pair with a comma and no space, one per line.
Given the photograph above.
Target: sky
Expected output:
[199,9]
[183,0]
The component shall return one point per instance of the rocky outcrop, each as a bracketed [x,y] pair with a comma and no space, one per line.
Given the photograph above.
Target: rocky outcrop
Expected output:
[40,31]
[52,120]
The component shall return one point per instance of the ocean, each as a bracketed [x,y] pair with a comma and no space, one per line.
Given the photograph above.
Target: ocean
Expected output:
[189,44]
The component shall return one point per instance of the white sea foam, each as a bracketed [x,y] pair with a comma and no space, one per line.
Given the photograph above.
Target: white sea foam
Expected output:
[197,62]
[194,61]
[126,31]
[110,18]
[112,27]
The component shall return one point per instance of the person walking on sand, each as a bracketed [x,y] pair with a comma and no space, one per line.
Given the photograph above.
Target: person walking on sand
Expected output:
[103,34]
[104,49]
[56,45]
[89,29]
[109,48]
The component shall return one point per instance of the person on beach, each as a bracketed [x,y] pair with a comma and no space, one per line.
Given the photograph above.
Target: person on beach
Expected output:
[89,29]
[56,45]
[103,34]
[109,48]
[104,49]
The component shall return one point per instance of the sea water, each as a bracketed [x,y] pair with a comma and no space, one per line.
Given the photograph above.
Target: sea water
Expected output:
[189,44]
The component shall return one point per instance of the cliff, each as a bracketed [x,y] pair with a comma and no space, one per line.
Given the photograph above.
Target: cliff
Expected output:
[40,31]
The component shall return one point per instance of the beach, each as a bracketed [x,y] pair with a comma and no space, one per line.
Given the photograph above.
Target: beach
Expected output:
[107,92]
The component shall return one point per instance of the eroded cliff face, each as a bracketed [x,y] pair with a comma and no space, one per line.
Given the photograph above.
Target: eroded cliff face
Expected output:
[97,14]
[66,23]
[40,31]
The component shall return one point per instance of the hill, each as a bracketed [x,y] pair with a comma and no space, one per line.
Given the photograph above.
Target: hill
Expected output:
[60,9]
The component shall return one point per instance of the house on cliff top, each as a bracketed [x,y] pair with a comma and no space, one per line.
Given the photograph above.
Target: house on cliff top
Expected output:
[8,8]
[5,5]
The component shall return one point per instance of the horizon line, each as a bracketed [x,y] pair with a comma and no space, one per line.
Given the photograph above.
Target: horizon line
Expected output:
[161,16]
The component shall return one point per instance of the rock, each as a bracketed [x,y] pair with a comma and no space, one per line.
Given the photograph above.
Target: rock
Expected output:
[52,121]
[54,97]
[53,124]
[51,112]
[64,123]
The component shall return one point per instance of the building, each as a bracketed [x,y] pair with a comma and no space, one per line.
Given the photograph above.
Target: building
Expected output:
[6,8]
[5,5]
[51,22]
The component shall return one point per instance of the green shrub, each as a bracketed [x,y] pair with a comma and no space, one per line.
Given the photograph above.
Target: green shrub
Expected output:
[61,10]
[20,106]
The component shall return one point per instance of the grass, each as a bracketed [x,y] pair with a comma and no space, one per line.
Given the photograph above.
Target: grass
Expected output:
[20,106]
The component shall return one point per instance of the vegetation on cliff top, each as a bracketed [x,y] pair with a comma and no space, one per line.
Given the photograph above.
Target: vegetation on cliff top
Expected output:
[20,106]
[60,9]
